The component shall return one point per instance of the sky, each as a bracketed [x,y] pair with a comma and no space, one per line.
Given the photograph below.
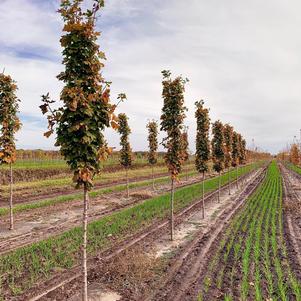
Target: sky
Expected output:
[241,57]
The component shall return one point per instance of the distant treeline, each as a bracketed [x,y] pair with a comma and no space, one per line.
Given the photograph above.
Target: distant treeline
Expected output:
[39,154]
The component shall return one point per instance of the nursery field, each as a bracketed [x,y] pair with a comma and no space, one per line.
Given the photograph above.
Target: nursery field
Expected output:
[246,247]
[50,251]
[252,261]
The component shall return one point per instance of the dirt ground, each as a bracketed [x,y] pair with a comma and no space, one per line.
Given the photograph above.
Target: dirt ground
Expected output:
[292,217]
[152,251]
[37,224]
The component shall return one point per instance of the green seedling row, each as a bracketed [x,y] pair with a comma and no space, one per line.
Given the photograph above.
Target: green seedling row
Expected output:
[253,247]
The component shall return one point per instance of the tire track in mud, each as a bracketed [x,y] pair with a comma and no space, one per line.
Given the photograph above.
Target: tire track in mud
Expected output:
[181,281]
[292,220]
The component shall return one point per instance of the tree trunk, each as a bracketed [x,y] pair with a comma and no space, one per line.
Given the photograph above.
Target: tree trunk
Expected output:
[219,186]
[85,224]
[237,176]
[11,226]
[229,180]
[171,209]
[127,183]
[203,195]
[153,177]
[186,170]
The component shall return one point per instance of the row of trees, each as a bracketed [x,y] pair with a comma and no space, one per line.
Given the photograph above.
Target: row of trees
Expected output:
[292,154]
[86,110]
[227,148]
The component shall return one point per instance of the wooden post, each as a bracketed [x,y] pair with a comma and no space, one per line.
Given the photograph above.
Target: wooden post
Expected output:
[11,215]
[172,208]
[85,224]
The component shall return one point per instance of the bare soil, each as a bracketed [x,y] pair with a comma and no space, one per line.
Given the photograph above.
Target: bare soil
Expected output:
[38,224]
[292,217]
[180,262]
[34,195]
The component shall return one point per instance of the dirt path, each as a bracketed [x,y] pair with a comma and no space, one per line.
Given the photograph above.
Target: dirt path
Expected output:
[292,216]
[37,224]
[181,282]
[66,285]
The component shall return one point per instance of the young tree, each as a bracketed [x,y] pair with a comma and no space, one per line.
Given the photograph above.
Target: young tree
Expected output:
[152,138]
[10,124]
[185,150]
[218,150]
[172,118]
[243,151]
[126,151]
[294,154]
[228,135]
[86,111]
[235,154]
[241,154]
[202,154]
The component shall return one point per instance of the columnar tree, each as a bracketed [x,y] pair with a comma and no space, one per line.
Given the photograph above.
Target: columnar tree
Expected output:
[235,154]
[9,124]
[185,150]
[242,151]
[294,154]
[172,118]
[202,154]
[126,151]
[86,109]
[218,150]
[152,138]
[228,137]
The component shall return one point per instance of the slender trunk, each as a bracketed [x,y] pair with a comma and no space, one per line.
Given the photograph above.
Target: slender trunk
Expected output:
[171,209]
[85,223]
[127,183]
[203,195]
[219,186]
[11,226]
[229,180]
[186,169]
[153,177]
[237,176]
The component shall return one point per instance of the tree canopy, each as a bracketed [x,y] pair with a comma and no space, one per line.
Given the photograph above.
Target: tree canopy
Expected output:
[172,118]
[202,154]
[86,109]
[152,138]
[9,121]
[218,148]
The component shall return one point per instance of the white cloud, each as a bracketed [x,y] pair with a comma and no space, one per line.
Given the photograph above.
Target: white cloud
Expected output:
[242,57]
